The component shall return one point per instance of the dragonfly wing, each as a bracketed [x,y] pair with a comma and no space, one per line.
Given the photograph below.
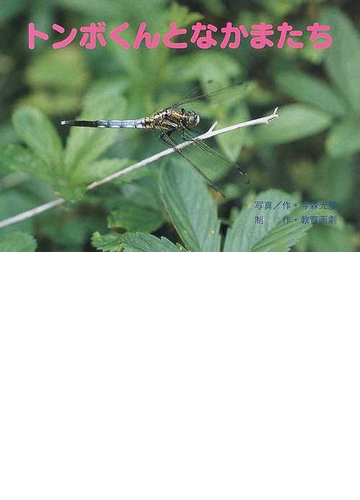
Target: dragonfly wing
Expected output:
[217,158]
[165,137]
[213,96]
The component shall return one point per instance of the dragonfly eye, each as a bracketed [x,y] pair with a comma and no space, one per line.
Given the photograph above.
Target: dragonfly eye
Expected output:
[193,119]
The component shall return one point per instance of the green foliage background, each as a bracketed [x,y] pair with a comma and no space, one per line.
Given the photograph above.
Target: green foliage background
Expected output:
[310,153]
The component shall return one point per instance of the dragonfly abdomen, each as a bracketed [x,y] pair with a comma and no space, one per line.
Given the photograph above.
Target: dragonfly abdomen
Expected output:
[140,123]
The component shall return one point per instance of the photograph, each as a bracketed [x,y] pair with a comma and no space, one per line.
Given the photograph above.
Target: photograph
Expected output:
[189,126]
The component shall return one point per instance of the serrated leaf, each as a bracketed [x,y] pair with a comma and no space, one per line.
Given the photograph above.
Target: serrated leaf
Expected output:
[310,90]
[144,192]
[182,15]
[73,194]
[40,135]
[191,207]
[284,235]
[23,160]
[274,235]
[139,207]
[135,218]
[18,242]
[85,145]
[296,121]
[344,138]
[342,59]
[214,67]
[133,242]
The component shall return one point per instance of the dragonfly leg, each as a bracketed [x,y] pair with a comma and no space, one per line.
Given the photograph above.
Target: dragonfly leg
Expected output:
[165,136]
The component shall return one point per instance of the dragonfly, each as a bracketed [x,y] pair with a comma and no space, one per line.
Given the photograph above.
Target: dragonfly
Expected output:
[176,121]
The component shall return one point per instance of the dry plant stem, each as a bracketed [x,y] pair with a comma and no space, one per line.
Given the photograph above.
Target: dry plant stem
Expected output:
[210,133]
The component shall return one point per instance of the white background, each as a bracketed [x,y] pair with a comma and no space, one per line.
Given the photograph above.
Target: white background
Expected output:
[190,376]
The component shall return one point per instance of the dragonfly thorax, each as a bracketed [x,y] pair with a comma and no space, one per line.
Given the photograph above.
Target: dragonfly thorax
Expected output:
[187,119]
[172,119]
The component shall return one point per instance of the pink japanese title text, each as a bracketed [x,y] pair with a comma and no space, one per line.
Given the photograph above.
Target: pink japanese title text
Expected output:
[260,36]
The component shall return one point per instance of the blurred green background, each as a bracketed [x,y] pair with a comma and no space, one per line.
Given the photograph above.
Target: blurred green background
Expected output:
[311,152]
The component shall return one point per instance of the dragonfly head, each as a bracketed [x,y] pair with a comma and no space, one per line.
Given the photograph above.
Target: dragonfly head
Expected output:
[192,118]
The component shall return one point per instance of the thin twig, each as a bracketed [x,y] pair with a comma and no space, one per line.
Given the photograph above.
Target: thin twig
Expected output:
[210,133]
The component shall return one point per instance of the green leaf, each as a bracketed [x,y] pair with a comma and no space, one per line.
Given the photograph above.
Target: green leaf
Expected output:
[139,206]
[344,138]
[284,235]
[274,235]
[18,242]
[59,70]
[58,79]
[97,170]
[310,90]
[232,143]
[333,180]
[135,218]
[342,59]
[19,158]
[144,192]
[295,122]
[133,242]
[13,202]
[335,238]
[216,7]
[191,207]
[182,15]
[52,103]
[7,134]
[36,130]
[131,177]
[210,67]
[85,145]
